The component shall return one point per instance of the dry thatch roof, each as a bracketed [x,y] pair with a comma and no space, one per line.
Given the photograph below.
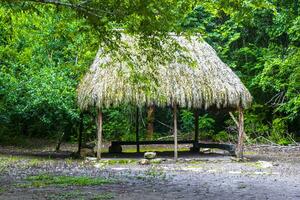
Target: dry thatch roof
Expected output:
[189,74]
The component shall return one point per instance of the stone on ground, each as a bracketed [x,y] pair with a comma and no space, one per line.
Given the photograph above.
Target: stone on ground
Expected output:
[91,159]
[144,162]
[150,155]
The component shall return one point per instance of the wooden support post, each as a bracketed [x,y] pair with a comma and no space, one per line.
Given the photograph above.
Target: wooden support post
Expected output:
[80,133]
[237,125]
[196,115]
[137,130]
[150,122]
[99,134]
[175,131]
[196,147]
[240,145]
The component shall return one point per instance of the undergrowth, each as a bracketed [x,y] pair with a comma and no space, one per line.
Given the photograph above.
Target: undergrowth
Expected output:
[44,180]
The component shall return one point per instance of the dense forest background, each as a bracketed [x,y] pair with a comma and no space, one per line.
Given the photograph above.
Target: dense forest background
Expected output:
[46,49]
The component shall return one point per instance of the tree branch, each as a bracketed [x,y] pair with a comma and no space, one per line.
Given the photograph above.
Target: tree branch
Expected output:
[78,7]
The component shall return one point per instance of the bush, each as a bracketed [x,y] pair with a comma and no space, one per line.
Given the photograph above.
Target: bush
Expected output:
[224,136]
[187,121]
[118,123]
[279,133]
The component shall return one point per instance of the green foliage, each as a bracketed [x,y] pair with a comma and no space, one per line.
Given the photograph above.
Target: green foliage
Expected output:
[45,50]
[279,132]
[40,68]
[46,180]
[260,41]
[187,120]
[117,124]
[224,136]
[206,123]
[206,127]
[255,122]
[143,17]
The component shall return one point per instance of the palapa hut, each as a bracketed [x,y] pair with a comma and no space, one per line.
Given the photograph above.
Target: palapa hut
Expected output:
[185,72]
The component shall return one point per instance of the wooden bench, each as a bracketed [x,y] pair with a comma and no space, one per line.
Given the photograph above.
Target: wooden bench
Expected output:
[116,146]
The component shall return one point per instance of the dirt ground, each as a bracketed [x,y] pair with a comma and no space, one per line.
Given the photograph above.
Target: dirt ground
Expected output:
[268,173]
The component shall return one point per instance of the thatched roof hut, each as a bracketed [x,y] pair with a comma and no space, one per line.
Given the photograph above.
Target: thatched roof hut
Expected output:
[203,81]
[188,74]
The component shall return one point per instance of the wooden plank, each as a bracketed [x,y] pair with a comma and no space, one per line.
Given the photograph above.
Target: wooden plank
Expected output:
[240,145]
[99,134]
[175,131]
[160,142]
[228,147]
[152,142]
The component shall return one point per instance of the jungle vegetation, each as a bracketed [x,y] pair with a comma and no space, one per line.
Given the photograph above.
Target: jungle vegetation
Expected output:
[47,46]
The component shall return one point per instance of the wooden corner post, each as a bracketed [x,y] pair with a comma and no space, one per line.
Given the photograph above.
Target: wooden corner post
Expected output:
[137,128]
[196,126]
[99,133]
[80,133]
[175,131]
[240,145]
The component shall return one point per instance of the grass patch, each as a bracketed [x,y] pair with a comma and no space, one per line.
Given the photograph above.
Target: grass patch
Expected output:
[196,162]
[7,161]
[2,190]
[249,153]
[117,161]
[103,196]
[47,180]
[256,165]
[20,162]
[77,194]
[152,173]
[36,162]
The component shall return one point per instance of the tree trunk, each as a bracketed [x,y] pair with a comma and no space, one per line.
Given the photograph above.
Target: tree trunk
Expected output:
[240,145]
[99,134]
[59,141]
[150,122]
